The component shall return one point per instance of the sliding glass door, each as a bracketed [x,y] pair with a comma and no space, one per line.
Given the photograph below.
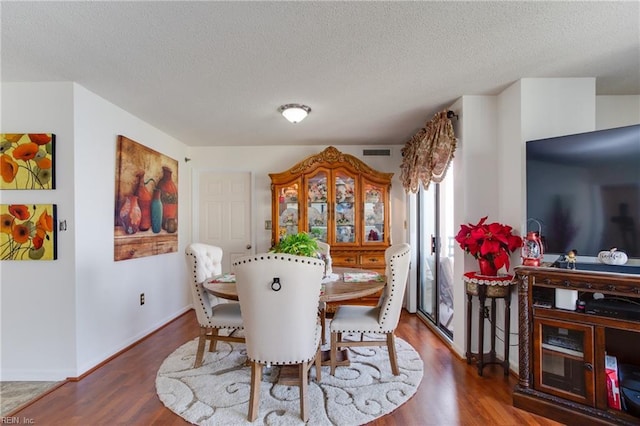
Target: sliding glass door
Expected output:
[436,245]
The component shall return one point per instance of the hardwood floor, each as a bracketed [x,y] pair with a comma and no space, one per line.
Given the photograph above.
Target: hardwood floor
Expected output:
[123,391]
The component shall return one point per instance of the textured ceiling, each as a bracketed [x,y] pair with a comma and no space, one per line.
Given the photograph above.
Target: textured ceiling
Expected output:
[215,73]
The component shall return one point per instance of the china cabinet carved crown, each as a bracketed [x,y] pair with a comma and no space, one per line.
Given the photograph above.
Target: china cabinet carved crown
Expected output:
[338,199]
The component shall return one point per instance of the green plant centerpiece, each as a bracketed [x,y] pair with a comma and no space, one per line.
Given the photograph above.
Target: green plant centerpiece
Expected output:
[300,244]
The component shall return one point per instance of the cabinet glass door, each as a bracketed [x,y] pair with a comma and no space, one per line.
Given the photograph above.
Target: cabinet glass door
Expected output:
[345,207]
[288,210]
[317,206]
[373,213]
[565,356]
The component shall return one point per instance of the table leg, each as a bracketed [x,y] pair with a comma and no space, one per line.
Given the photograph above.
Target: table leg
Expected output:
[289,374]
[342,357]
[469,304]
[493,330]
[481,299]
[507,319]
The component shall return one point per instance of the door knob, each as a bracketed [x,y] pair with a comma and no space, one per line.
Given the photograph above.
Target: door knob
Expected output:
[248,246]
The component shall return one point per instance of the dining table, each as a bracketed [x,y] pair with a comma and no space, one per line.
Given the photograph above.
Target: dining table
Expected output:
[341,285]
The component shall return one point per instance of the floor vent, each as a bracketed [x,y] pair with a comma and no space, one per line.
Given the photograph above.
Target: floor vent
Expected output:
[382,152]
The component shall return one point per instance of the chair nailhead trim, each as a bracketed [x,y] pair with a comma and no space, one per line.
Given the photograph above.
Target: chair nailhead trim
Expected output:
[283,363]
[286,257]
[199,293]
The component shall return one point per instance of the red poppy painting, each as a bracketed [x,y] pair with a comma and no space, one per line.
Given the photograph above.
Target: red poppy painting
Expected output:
[26,161]
[28,232]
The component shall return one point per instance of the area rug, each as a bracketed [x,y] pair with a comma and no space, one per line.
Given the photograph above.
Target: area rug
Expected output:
[218,392]
[17,394]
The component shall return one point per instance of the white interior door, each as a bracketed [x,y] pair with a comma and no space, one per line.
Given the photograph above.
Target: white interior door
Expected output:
[224,214]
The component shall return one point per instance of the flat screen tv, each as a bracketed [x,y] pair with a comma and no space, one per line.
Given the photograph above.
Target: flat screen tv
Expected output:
[584,189]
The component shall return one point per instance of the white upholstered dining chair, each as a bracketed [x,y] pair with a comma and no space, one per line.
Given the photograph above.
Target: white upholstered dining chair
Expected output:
[381,319]
[279,296]
[325,250]
[205,261]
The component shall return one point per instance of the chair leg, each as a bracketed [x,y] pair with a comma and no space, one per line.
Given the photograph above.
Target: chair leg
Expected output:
[303,373]
[323,320]
[254,398]
[214,339]
[200,352]
[318,366]
[334,352]
[393,357]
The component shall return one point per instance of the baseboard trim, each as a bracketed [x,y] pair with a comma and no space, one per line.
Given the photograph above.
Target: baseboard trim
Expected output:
[125,349]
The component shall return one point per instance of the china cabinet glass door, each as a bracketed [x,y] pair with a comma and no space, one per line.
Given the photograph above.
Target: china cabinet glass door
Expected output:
[374,213]
[345,207]
[317,205]
[288,210]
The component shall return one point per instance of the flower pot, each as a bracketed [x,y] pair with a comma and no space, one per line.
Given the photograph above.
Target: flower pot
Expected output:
[487,268]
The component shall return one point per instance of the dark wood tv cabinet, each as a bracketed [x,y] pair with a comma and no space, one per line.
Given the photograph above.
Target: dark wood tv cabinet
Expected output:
[562,352]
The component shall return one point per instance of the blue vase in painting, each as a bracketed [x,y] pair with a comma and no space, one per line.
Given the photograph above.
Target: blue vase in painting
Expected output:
[156,212]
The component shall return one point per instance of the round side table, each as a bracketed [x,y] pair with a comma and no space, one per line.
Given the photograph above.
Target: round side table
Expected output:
[483,287]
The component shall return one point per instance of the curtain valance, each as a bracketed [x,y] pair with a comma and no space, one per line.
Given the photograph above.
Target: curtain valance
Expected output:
[427,155]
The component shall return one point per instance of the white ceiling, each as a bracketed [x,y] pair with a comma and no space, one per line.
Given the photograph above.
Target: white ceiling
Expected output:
[215,73]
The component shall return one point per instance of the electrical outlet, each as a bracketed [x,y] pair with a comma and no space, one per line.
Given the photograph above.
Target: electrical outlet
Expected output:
[485,312]
[141,299]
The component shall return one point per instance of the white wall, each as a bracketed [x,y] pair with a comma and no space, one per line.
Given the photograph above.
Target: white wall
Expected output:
[61,318]
[530,109]
[490,162]
[108,311]
[37,298]
[511,157]
[557,106]
[476,183]
[459,216]
[617,111]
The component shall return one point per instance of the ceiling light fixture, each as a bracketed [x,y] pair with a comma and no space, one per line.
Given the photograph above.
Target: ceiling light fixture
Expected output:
[295,113]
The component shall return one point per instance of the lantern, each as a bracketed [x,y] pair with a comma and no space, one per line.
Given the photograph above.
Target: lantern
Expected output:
[532,248]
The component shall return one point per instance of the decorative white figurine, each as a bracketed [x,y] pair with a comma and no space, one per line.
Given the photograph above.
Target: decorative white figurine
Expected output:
[613,257]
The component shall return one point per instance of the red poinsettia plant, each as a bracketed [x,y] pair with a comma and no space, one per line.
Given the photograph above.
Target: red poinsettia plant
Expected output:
[493,242]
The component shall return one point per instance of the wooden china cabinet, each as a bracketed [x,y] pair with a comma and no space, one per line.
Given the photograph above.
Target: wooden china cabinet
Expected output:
[340,200]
